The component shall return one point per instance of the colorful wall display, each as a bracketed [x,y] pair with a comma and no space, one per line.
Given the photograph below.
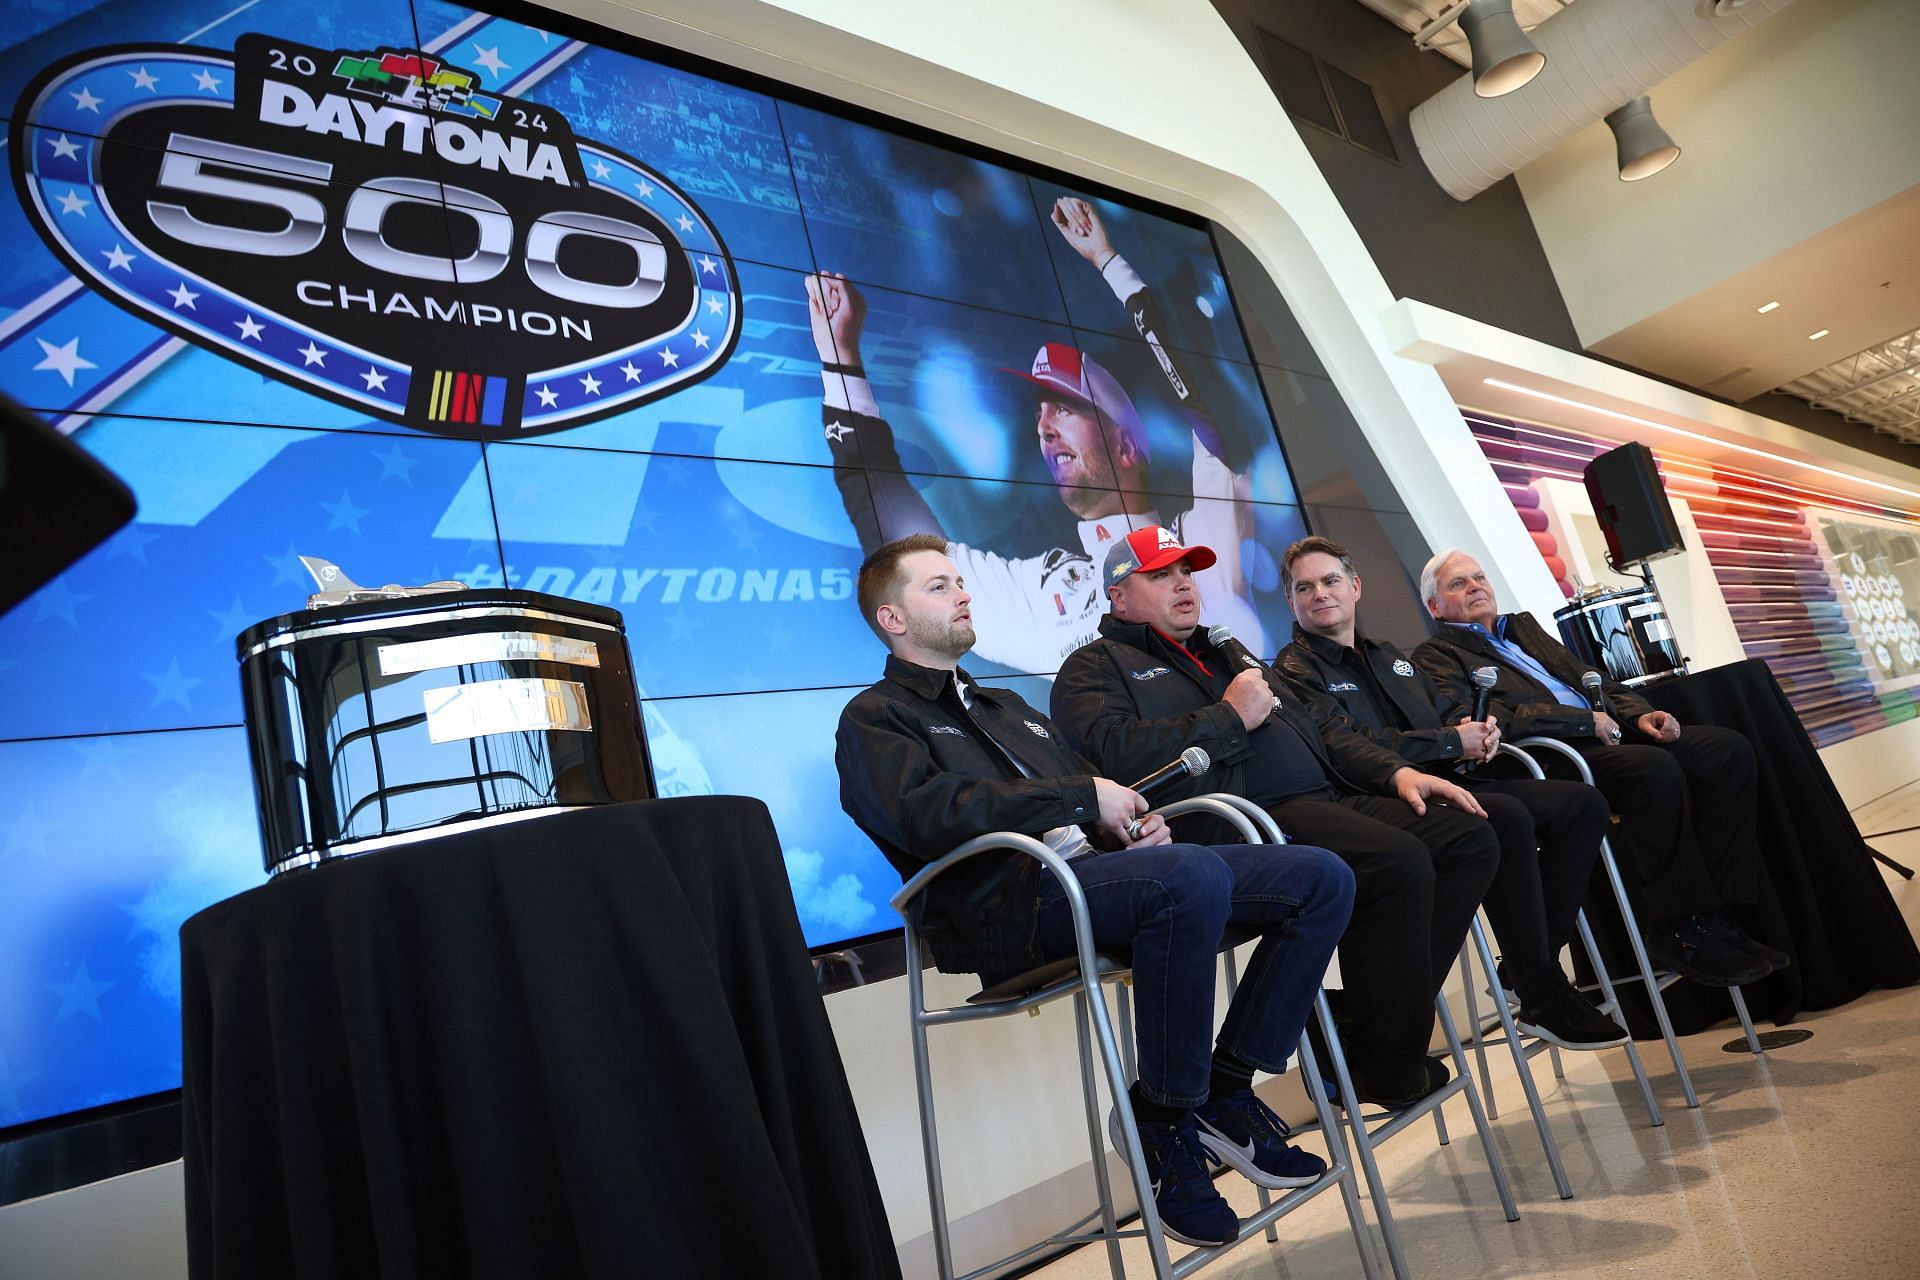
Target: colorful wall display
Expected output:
[433,293]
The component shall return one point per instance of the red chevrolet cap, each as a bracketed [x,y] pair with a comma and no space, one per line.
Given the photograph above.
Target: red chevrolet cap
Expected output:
[1152,548]
[1064,369]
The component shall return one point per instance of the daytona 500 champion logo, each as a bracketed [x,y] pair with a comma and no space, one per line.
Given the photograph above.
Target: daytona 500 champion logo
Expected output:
[373,227]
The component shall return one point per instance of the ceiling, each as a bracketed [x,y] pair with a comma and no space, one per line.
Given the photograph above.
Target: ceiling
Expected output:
[1858,281]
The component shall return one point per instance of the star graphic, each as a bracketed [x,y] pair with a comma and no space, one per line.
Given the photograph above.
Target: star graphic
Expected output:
[313,355]
[171,686]
[633,374]
[375,380]
[643,517]
[779,639]
[600,169]
[707,265]
[287,568]
[103,756]
[86,101]
[183,297]
[838,431]
[700,339]
[233,619]
[746,537]
[10,1082]
[27,833]
[142,79]
[714,305]
[548,396]
[133,541]
[58,601]
[119,259]
[344,514]
[645,189]
[64,148]
[73,202]
[207,81]
[395,463]
[250,329]
[490,59]
[80,994]
[590,384]
[668,357]
[679,625]
[686,223]
[64,360]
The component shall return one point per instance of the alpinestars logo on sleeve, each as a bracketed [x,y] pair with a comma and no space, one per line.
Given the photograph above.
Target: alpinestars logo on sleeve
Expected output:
[372,227]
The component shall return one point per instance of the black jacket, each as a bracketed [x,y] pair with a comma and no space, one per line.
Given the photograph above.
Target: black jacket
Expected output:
[1323,669]
[1523,705]
[920,773]
[1132,701]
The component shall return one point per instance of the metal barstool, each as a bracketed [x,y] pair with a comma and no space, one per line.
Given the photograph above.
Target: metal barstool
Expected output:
[1080,976]
[1365,1136]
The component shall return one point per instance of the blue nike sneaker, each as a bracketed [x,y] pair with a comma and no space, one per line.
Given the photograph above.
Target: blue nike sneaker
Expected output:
[1242,1132]
[1191,1211]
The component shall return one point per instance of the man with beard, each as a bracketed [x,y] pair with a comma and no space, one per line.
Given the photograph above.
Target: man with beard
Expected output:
[1686,801]
[929,759]
[1549,830]
[1420,848]
[1037,609]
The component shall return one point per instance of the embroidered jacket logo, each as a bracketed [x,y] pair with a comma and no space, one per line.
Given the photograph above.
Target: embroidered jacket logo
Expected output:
[1151,673]
[1401,667]
[370,226]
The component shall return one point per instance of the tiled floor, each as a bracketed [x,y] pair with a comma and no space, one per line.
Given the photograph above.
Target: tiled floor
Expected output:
[1804,1164]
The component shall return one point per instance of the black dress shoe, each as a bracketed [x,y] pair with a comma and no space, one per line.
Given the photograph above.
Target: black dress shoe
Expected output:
[1727,928]
[1694,951]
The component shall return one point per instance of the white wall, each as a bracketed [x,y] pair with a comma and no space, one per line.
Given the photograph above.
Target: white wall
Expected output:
[1800,123]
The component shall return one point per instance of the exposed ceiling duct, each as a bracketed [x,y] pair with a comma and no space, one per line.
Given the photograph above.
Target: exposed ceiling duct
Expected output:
[1601,54]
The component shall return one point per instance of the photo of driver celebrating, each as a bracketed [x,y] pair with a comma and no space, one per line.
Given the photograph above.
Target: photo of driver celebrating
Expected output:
[1037,609]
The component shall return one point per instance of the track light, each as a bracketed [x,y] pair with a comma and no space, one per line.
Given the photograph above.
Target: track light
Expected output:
[1644,147]
[1504,57]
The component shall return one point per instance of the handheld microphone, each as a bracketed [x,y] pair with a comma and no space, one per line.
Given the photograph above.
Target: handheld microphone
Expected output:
[1484,678]
[1597,697]
[1191,763]
[1221,638]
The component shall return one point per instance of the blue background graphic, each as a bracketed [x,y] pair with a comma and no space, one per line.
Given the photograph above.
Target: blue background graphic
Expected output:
[713,518]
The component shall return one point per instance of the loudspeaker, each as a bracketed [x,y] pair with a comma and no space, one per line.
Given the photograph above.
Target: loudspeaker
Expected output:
[1631,505]
[57,502]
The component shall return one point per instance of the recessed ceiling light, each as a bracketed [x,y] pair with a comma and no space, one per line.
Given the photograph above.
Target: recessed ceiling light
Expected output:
[1818,334]
[1769,307]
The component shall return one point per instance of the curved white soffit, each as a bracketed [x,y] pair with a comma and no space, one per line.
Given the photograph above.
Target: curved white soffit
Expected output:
[1600,54]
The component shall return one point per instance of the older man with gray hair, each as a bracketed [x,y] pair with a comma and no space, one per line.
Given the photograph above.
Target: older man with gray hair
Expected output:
[1685,801]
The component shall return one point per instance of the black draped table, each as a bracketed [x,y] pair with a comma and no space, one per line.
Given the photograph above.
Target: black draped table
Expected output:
[1821,896]
[588,1044]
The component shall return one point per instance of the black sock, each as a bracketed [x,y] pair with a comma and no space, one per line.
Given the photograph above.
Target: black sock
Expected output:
[1230,1074]
[1146,1111]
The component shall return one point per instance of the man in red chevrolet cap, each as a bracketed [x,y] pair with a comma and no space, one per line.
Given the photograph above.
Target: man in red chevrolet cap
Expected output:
[1036,609]
[1421,850]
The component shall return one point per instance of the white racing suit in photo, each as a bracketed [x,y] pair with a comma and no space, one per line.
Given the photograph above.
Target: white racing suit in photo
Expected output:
[1032,611]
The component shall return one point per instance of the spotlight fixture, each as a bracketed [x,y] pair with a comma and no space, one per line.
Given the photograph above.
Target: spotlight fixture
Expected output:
[1769,307]
[1644,147]
[1504,56]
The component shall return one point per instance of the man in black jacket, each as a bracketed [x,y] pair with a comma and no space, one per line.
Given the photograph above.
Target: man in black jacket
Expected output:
[1686,802]
[1153,684]
[928,759]
[1549,831]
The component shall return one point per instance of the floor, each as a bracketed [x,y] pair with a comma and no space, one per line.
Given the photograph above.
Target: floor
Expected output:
[1802,1164]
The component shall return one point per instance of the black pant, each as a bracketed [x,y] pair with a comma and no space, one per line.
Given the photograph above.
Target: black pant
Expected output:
[1686,841]
[1418,881]
[1549,841]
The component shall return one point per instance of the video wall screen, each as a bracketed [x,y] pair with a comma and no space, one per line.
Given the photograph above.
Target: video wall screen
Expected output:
[432,293]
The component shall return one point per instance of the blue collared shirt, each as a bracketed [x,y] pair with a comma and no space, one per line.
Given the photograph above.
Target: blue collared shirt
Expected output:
[1514,654]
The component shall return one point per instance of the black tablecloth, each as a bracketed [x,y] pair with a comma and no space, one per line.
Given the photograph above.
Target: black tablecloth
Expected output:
[588,1044]
[1821,896]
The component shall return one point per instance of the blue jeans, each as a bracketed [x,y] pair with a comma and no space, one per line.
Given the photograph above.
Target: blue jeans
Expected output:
[1167,906]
